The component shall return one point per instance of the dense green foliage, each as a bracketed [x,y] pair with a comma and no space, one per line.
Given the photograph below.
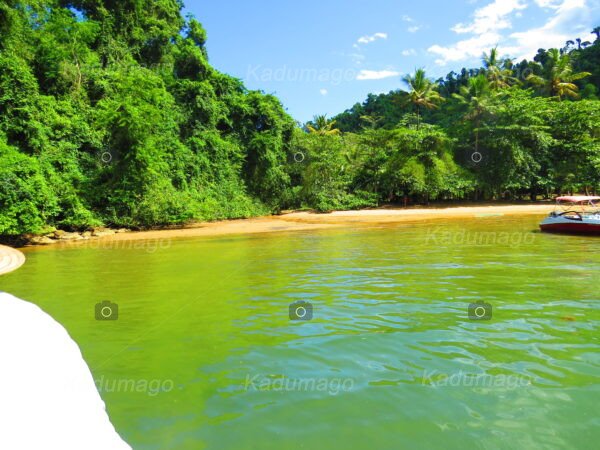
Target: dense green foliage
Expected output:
[388,109]
[520,130]
[110,114]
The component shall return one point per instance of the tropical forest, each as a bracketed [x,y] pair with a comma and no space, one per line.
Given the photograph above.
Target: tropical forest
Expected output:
[112,115]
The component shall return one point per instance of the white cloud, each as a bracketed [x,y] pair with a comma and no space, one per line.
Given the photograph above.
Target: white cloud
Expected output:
[492,17]
[413,28]
[465,49]
[372,38]
[554,4]
[324,91]
[569,17]
[376,74]
[409,52]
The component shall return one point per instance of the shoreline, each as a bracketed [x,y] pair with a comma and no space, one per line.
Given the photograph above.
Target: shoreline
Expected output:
[302,221]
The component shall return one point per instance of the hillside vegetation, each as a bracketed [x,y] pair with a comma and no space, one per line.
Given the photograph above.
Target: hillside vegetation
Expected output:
[111,114]
[503,130]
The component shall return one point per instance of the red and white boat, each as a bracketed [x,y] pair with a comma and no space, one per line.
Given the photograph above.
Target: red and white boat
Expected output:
[574,214]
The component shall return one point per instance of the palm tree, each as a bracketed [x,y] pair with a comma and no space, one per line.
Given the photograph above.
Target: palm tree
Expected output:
[371,121]
[568,46]
[423,92]
[476,95]
[558,79]
[321,125]
[498,70]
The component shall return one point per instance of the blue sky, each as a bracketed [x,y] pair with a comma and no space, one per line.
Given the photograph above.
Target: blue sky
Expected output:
[321,57]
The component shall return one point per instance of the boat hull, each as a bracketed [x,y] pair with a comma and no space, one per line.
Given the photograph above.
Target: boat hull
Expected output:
[564,225]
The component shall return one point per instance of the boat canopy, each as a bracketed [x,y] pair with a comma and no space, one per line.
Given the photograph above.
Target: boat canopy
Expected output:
[577,199]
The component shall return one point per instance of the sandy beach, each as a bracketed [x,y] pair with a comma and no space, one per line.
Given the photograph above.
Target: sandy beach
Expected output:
[307,221]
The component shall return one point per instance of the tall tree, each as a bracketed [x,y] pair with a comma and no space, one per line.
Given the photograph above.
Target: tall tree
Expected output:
[422,92]
[323,126]
[557,77]
[476,96]
[498,70]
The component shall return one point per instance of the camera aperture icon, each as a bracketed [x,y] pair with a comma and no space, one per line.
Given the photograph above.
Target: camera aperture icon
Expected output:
[106,311]
[299,157]
[480,311]
[106,157]
[301,310]
[476,157]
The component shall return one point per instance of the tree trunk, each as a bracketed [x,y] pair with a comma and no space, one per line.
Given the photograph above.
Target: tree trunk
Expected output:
[533,194]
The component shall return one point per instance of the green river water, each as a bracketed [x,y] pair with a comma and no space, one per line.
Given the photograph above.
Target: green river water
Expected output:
[204,355]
